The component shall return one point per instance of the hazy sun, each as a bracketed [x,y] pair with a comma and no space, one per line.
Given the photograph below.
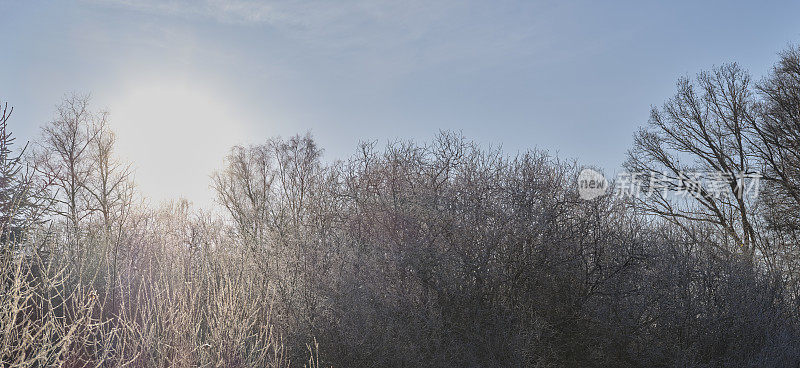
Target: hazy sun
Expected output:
[176,133]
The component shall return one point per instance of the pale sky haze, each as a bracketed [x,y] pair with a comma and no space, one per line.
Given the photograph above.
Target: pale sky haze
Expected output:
[185,80]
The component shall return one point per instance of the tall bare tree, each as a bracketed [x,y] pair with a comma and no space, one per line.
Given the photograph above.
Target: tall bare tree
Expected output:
[698,144]
[777,138]
[64,157]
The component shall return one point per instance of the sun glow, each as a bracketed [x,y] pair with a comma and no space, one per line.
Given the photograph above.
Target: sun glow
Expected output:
[177,133]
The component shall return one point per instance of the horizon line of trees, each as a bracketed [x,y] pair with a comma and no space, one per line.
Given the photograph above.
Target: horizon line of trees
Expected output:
[435,254]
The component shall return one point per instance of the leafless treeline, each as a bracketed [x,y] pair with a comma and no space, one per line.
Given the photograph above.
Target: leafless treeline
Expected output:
[437,254]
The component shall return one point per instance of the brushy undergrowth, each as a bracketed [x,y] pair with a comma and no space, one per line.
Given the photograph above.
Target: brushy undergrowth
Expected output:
[437,255]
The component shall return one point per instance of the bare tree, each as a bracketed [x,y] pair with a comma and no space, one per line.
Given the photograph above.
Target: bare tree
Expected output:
[777,137]
[110,186]
[64,157]
[245,188]
[698,143]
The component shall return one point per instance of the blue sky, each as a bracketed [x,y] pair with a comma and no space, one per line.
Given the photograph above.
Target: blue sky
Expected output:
[185,80]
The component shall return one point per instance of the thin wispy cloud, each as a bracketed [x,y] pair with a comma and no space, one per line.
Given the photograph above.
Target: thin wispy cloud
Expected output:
[245,12]
[405,34]
[276,13]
